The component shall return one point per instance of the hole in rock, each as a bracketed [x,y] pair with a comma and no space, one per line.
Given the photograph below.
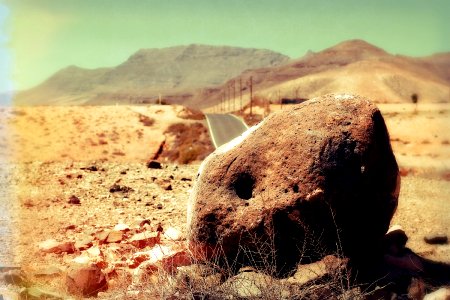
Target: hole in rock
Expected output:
[243,185]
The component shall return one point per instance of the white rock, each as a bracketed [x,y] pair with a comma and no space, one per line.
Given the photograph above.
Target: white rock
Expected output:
[121,227]
[440,294]
[172,234]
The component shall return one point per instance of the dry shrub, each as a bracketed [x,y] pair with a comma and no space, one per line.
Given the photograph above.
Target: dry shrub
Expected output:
[187,143]
[214,277]
[191,114]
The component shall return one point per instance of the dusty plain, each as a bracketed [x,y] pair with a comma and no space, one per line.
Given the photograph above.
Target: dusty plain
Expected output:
[48,154]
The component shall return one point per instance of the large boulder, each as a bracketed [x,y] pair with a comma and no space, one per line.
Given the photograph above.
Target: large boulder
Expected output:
[311,180]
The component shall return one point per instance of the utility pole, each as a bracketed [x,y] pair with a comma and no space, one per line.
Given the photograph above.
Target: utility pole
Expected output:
[240,91]
[234,95]
[229,97]
[251,94]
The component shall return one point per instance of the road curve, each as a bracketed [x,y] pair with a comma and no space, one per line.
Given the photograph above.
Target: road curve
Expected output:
[224,127]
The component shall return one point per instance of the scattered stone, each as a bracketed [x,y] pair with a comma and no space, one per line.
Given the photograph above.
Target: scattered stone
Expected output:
[144,222]
[165,184]
[252,285]
[90,168]
[48,271]
[101,236]
[35,292]
[114,236]
[145,239]
[434,239]
[122,227]
[87,281]
[143,272]
[84,243]
[172,234]
[7,293]
[119,188]
[153,164]
[14,277]
[71,227]
[198,275]
[310,273]
[298,175]
[176,259]
[440,294]
[416,289]
[74,200]
[137,259]
[52,246]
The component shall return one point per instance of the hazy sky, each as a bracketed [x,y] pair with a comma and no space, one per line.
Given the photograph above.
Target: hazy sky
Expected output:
[39,37]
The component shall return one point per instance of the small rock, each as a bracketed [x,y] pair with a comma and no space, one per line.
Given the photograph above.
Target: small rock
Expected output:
[9,294]
[48,271]
[172,234]
[440,294]
[436,239]
[35,292]
[114,236]
[87,281]
[153,164]
[122,227]
[198,275]
[92,168]
[119,188]
[176,259]
[74,200]
[71,227]
[145,239]
[416,289]
[14,277]
[159,206]
[84,243]
[138,258]
[101,236]
[144,222]
[250,285]
[52,246]
[168,187]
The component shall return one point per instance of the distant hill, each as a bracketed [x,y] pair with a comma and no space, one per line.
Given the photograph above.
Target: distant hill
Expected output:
[148,73]
[199,75]
[350,67]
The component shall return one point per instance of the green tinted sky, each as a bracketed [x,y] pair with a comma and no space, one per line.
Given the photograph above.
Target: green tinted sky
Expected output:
[43,36]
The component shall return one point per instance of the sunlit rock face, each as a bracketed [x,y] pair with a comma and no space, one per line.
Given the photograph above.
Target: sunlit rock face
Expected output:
[310,180]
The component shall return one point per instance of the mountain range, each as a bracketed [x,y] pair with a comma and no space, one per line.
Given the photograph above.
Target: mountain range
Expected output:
[148,73]
[201,76]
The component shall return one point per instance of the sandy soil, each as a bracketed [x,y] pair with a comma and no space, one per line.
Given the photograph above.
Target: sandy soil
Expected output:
[51,150]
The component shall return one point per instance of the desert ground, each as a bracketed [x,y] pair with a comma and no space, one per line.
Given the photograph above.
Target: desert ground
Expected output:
[49,154]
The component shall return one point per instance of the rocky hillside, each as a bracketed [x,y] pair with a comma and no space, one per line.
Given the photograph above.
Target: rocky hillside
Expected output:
[349,67]
[148,73]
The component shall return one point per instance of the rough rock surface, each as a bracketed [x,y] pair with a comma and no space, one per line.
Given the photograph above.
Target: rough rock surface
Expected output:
[87,281]
[296,179]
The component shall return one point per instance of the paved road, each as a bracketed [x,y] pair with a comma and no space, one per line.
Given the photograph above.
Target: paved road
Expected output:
[224,128]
